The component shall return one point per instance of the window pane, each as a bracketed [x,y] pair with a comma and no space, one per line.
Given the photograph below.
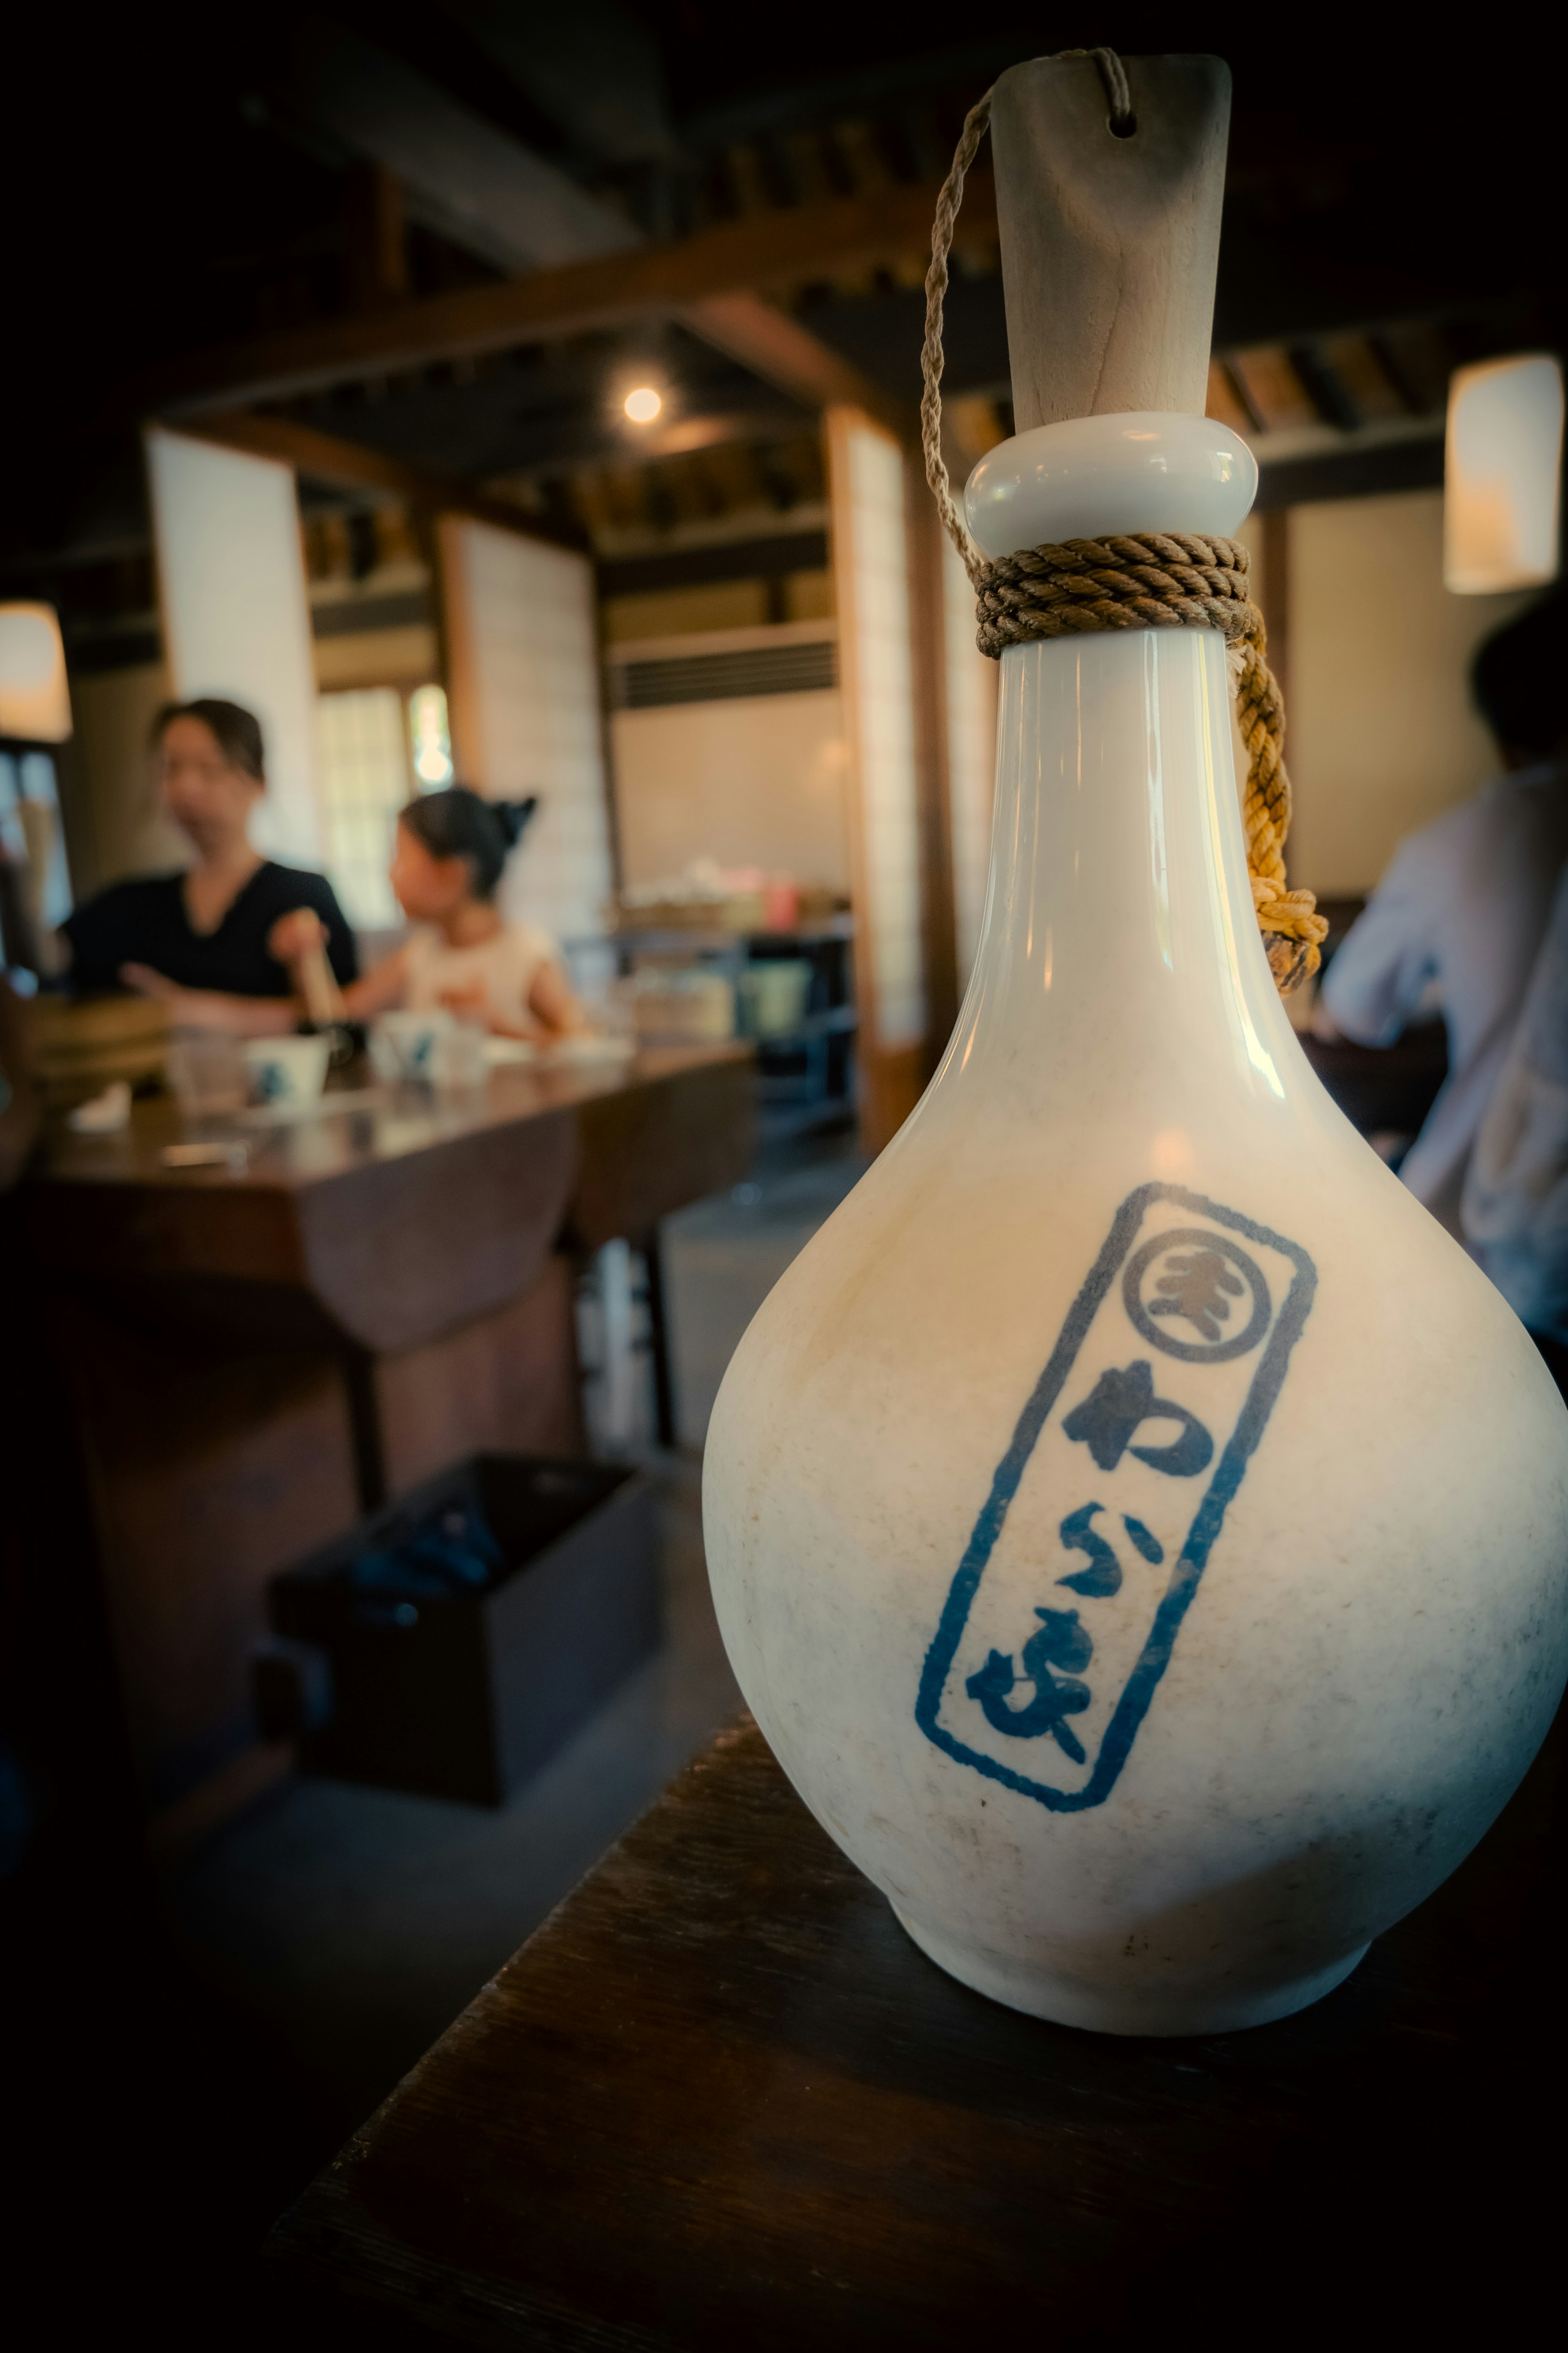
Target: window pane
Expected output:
[430,737]
[362,766]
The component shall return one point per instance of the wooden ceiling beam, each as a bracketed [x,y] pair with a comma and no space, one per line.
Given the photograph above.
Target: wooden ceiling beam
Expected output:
[346,465]
[787,355]
[764,251]
[705,428]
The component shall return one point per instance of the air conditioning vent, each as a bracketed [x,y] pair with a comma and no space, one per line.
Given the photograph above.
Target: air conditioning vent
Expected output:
[794,668]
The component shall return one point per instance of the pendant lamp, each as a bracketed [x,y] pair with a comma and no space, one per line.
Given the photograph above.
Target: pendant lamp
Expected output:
[34,698]
[1502,476]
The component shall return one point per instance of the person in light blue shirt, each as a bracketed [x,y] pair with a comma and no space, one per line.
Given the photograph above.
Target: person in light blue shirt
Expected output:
[1515,1205]
[1458,919]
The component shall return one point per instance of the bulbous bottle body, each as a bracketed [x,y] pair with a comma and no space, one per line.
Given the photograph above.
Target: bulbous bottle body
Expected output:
[1139,1531]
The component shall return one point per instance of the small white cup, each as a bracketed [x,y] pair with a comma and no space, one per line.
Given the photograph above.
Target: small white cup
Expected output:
[287,1073]
[458,1061]
[207,1072]
[407,1045]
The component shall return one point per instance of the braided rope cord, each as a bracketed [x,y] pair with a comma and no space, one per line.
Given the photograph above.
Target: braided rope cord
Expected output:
[1139,580]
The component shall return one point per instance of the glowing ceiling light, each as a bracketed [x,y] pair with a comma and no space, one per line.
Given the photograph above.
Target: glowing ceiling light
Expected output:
[643,404]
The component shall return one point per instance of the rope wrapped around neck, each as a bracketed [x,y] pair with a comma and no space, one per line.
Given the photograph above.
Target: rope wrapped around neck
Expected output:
[1137,580]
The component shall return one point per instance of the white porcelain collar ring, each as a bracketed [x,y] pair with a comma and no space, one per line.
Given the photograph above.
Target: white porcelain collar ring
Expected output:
[1091,476]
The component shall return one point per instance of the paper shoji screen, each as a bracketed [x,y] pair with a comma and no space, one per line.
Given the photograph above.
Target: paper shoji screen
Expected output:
[524,694]
[237,619]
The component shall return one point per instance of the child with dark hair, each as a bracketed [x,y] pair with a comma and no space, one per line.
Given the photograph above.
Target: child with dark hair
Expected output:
[462,954]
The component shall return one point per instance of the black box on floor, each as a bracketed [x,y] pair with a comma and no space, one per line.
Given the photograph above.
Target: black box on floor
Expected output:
[467,1693]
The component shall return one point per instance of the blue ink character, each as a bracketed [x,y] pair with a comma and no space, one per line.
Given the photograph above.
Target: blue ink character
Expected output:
[1109,1417]
[1147,1542]
[1195,1289]
[1059,1642]
[1104,1575]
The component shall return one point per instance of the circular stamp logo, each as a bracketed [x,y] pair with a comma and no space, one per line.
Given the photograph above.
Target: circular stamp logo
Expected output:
[1197,1295]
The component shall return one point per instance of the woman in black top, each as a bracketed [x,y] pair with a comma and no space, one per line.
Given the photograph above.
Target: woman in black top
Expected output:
[201,940]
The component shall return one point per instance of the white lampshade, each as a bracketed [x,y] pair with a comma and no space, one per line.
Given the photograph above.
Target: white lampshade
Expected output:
[34,701]
[1502,475]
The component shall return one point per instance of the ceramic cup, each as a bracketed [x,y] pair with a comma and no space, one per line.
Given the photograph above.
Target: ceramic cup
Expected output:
[458,1059]
[404,1045]
[207,1071]
[287,1071]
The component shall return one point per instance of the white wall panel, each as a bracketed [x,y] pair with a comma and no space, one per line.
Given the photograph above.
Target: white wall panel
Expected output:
[1381,734]
[237,619]
[756,780]
[524,690]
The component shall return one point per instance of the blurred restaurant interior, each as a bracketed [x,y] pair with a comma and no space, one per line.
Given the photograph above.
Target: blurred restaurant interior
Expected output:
[489,399]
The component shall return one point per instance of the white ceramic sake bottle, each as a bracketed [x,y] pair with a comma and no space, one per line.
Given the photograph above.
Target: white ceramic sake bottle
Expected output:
[1139,1529]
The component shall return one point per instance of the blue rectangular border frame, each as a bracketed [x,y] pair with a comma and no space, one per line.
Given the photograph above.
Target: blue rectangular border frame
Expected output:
[1139,1691]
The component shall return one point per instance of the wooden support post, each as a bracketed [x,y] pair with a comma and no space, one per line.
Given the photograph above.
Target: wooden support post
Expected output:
[867,476]
[928,680]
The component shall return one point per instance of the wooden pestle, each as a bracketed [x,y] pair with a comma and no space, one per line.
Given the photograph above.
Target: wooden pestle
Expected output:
[318,985]
[1109,244]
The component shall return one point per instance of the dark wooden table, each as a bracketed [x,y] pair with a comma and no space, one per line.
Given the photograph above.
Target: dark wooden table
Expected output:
[636,1138]
[392,1220]
[252,1355]
[721,2102]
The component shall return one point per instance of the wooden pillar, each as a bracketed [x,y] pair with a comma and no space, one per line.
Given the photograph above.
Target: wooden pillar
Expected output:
[934,733]
[866,475]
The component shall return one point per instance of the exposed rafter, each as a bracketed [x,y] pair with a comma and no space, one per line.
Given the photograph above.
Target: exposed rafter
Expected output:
[484,190]
[764,252]
[787,354]
[347,465]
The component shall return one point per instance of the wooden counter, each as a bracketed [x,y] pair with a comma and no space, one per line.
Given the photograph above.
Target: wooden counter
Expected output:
[322,1203]
[721,2101]
[253,1354]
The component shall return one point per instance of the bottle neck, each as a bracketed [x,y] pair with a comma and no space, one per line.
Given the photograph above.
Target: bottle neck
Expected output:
[1120,944]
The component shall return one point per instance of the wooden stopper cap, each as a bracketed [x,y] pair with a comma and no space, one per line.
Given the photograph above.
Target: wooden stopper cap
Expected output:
[1109,244]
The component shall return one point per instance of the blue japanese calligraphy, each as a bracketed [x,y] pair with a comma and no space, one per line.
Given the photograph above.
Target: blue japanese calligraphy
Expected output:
[1059,1642]
[1012,1676]
[1118,1407]
[1103,1574]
